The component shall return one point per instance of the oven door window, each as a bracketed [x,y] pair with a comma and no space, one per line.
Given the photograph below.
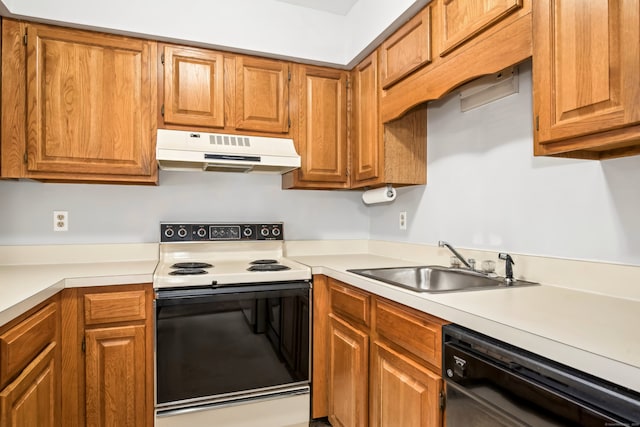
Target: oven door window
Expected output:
[232,342]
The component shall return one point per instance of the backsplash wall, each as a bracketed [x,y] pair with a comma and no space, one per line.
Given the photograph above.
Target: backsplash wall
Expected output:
[487,191]
[131,214]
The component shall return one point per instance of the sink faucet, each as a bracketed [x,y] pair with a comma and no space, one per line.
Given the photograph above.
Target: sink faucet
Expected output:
[508,265]
[469,264]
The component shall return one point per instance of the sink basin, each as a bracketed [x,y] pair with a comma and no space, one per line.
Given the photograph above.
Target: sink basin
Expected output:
[435,278]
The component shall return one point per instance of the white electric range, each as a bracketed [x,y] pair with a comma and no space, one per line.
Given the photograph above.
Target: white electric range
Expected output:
[233,327]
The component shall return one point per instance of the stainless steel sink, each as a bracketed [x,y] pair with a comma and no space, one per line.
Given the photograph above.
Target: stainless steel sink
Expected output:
[435,278]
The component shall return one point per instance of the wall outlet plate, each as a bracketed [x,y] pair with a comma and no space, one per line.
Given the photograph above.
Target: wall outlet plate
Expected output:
[403,221]
[60,221]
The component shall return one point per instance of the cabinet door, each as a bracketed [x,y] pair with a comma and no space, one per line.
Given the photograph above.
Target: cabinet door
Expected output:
[407,49]
[403,393]
[367,145]
[90,102]
[585,70]
[322,141]
[31,400]
[193,87]
[464,19]
[348,374]
[262,95]
[116,376]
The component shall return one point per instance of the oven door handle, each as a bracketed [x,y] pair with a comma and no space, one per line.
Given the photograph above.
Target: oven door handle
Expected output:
[186,294]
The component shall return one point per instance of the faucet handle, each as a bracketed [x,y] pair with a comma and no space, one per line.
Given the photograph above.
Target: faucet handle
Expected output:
[472,263]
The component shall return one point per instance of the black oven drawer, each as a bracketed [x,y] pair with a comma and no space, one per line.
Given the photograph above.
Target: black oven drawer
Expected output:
[231,341]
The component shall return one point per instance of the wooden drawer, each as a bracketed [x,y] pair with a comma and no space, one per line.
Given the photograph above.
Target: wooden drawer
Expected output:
[110,307]
[349,302]
[22,343]
[419,333]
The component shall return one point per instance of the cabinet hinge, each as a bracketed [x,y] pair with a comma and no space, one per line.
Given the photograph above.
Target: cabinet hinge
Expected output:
[537,123]
[442,399]
[289,75]
[84,345]
[162,58]
[25,158]
[162,110]
[25,39]
[289,122]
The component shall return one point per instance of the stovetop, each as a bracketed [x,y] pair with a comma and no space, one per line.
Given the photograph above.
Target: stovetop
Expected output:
[194,254]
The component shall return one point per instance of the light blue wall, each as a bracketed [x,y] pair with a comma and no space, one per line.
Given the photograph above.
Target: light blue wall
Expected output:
[486,190]
[128,214]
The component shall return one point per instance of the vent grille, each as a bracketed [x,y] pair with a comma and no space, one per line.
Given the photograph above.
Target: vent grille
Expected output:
[234,141]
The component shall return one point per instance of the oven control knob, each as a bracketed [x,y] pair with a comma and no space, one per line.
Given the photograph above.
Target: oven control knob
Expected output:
[168,233]
[450,373]
[275,232]
[264,232]
[182,232]
[202,232]
[247,232]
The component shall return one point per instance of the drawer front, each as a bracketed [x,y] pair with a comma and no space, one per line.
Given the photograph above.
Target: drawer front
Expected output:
[418,333]
[20,344]
[350,302]
[110,307]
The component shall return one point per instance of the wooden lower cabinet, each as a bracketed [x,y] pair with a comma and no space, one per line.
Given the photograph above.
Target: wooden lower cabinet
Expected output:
[402,392]
[33,398]
[108,356]
[30,368]
[115,376]
[348,367]
[378,374]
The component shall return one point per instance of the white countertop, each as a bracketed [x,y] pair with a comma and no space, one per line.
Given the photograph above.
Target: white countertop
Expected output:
[591,332]
[584,329]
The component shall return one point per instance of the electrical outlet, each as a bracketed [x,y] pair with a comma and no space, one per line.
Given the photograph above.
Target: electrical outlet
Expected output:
[60,221]
[403,221]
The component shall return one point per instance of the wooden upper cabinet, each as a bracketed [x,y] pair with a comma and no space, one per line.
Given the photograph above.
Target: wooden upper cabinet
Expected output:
[407,49]
[464,19]
[193,87]
[90,105]
[367,148]
[322,129]
[262,95]
[585,78]
[322,138]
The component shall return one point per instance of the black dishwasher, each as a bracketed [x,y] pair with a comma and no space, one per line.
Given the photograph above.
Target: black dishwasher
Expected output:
[490,383]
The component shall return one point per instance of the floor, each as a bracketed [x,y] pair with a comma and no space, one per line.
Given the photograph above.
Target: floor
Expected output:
[320,422]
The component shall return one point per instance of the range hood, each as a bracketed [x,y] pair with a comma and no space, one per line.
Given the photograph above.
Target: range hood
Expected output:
[201,151]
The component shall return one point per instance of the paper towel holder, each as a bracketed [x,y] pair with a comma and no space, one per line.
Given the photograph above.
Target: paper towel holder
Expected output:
[379,195]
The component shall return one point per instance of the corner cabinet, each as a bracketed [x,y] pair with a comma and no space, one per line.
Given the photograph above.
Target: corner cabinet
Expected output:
[393,153]
[30,368]
[586,83]
[109,356]
[77,105]
[376,350]
[322,129]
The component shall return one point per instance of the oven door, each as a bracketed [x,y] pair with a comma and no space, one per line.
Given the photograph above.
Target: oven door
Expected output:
[223,344]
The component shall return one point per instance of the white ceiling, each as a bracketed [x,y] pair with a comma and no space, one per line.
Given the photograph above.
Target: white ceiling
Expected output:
[339,7]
